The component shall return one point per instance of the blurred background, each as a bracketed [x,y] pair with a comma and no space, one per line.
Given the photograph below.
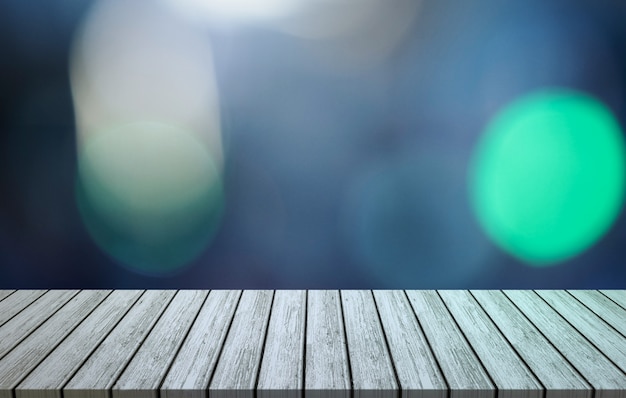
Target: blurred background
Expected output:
[312,144]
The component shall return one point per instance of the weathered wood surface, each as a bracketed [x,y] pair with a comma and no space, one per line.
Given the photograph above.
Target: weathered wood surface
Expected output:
[465,375]
[605,308]
[555,373]
[327,370]
[281,374]
[618,296]
[237,368]
[13,304]
[58,367]
[507,369]
[20,361]
[5,293]
[598,332]
[102,369]
[145,372]
[20,326]
[190,373]
[593,365]
[418,378]
[312,344]
[372,371]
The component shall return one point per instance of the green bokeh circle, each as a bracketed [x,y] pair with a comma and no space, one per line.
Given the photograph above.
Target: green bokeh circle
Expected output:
[149,195]
[547,177]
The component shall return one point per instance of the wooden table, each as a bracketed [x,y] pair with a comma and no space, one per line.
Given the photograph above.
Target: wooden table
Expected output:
[317,343]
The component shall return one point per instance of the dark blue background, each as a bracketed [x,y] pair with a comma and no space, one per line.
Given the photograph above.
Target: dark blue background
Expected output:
[332,180]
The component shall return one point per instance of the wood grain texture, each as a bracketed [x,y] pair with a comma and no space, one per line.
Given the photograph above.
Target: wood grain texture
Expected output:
[282,367]
[416,366]
[556,374]
[100,371]
[506,368]
[370,364]
[316,344]
[5,293]
[17,364]
[46,380]
[605,377]
[327,372]
[618,296]
[20,326]
[462,369]
[145,372]
[13,304]
[605,338]
[605,308]
[192,369]
[238,366]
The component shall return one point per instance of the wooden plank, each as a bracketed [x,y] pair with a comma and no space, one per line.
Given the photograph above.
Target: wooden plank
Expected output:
[604,376]
[16,365]
[238,365]
[191,371]
[291,334]
[327,371]
[506,368]
[418,378]
[370,364]
[5,293]
[46,380]
[281,374]
[604,307]
[13,304]
[21,325]
[605,338]
[145,372]
[552,369]
[463,371]
[98,374]
[618,296]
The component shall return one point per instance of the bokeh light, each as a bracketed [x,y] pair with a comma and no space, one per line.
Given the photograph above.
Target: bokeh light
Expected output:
[407,223]
[137,61]
[149,195]
[352,34]
[150,153]
[302,144]
[547,178]
[348,35]
[217,11]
